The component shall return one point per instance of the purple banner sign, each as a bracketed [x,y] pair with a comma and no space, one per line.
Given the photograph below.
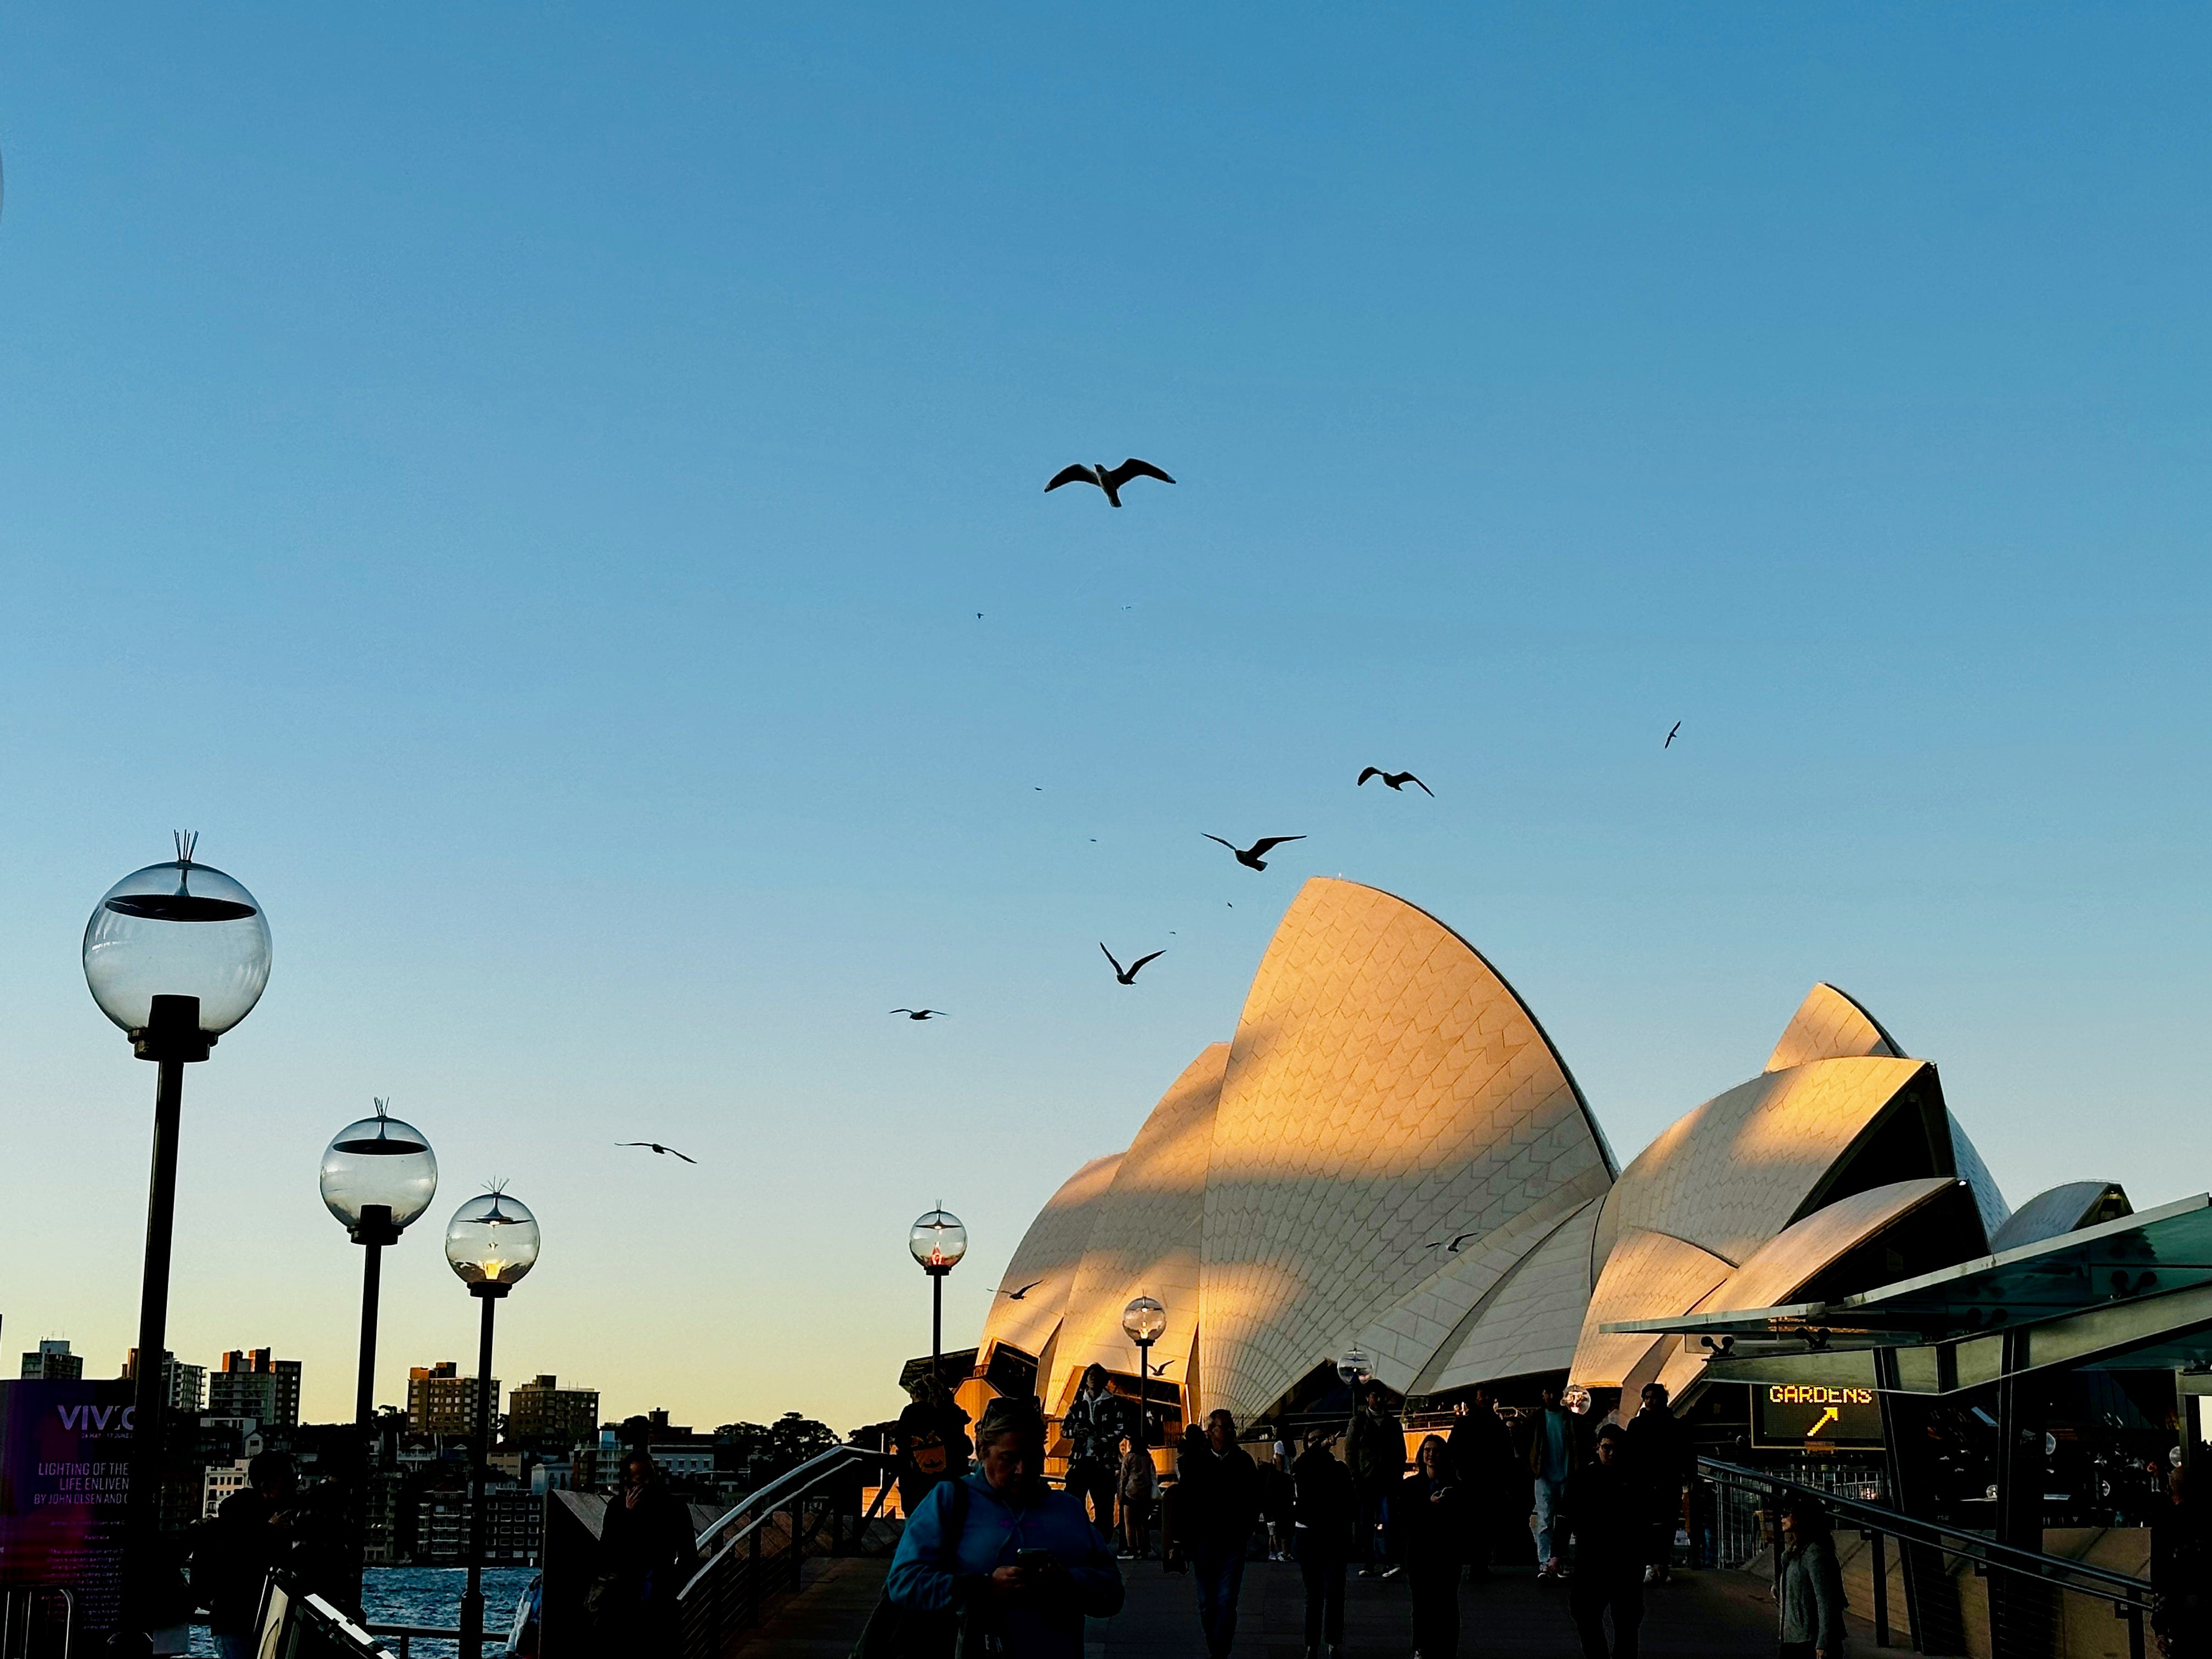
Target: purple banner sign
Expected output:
[64,1486]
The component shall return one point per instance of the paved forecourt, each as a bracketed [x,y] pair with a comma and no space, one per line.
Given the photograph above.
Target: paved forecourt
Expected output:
[1706,1615]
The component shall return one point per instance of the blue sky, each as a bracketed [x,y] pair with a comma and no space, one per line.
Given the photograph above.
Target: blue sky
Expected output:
[520,481]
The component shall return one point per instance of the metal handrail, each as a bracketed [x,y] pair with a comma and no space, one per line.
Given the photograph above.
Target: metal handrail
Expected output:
[785,1489]
[10,1594]
[2122,1589]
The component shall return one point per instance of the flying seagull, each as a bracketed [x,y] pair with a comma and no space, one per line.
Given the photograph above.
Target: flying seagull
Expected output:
[1250,857]
[670,1151]
[1397,780]
[1016,1296]
[1670,736]
[1127,976]
[1160,1370]
[1454,1246]
[921,1013]
[1108,478]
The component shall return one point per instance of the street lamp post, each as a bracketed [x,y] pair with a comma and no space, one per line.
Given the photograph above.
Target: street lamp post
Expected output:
[378,1175]
[1143,1318]
[1355,1368]
[491,1242]
[937,1241]
[175,954]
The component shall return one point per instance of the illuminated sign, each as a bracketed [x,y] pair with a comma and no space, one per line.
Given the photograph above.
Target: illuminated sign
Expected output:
[1814,1414]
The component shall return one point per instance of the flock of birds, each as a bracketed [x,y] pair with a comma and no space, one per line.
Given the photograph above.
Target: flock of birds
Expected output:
[1111,480]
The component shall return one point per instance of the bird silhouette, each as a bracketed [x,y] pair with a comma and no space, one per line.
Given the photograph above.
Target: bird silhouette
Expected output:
[1249,857]
[1159,1370]
[1127,976]
[1397,780]
[670,1151]
[1438,1244]
[1670,736]
[1016,1296]
[1108,478]
[921,1013]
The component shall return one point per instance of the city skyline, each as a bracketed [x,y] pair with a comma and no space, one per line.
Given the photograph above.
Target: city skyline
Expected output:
[558,503]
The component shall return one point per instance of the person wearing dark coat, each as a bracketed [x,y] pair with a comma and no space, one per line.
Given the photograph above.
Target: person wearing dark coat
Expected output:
[2181,1573]
[251,1536]
[647,1551]
[1376,1449]
[1481,1447]
[1324,1520]
[1811,1589]
[932,1443]
[1218,1504]
[1431,1523]
[1606,1511]
[1096,1425]
[1659,1447]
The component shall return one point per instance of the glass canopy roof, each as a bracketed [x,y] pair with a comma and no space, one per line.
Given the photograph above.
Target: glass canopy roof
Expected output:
[2145,1254]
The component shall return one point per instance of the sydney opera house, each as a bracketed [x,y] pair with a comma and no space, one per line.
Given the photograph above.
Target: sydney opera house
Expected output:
[1389,1155]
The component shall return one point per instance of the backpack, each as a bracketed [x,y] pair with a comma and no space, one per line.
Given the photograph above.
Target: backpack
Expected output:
[926,1453]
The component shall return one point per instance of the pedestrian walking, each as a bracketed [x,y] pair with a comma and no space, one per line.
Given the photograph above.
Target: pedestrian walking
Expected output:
[1139,1487]
[251,1536]
[931,1438]
[1606,1511]
[1018,1564]
[1431,1528]
[1556,1446]
[1481,1447]
[1096,1426]
[1324,1521]
[1376,1448]
[1812,1585]
[1659,1446]
[1277,1498]
[647,1551]
[1219,1500]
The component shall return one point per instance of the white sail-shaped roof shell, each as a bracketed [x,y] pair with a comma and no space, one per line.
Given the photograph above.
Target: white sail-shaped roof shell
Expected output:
[1144,1239]
[1386,1089]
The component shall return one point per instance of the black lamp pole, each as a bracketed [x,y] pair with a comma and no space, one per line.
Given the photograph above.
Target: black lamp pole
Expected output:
[1144,1385]
[172,1039]
[937,1270]
[472,1601]
[372,1232]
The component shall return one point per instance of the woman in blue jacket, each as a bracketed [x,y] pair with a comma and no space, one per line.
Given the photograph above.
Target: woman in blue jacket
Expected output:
[962,1550]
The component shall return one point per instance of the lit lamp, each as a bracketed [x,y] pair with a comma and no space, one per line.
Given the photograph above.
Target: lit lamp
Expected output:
[1355,1368]
[1143,1320]
[491,1242]
[175,954]
[378,1174]
[937,1241]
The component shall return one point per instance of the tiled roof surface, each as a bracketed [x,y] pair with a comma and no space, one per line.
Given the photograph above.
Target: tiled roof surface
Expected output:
[1145,1236]
[1829,1025]
[1385,1087]
[1730,1175]
[1645,1270]
[1049,1252]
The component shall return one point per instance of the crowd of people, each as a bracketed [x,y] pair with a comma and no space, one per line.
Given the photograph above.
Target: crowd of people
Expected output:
[1000,1552]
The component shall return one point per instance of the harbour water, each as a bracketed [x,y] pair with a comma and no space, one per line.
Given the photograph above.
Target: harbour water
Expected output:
[428,1597]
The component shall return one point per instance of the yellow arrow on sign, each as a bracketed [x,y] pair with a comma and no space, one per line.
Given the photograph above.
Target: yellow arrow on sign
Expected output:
[1830,1415]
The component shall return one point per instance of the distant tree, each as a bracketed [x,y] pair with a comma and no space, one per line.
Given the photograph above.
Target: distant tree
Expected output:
[758,1453]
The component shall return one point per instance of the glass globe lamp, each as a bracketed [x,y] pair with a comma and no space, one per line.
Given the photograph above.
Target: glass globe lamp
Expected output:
[379,1161]
[177,929]
[491,1242]
[1355,1367]
[1143,1320]
[937,1241]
